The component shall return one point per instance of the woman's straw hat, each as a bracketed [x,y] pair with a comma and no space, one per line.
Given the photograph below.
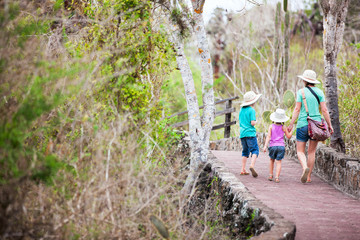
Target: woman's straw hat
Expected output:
[250,98]
[279,116]
[309,76]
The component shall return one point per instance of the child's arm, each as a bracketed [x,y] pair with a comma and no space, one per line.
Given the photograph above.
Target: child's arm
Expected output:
[288,133]
[267,139]
[295,115]
[253,123]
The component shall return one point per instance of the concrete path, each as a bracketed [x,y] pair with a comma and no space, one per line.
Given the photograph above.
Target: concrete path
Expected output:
[318,209]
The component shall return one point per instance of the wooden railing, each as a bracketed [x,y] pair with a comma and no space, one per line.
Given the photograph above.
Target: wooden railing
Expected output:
[227,112]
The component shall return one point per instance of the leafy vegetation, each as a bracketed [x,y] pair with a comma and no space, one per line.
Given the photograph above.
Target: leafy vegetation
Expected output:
[349,101]
[85,147]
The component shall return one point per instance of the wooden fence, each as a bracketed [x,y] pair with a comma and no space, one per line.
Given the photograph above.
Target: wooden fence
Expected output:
[227,112]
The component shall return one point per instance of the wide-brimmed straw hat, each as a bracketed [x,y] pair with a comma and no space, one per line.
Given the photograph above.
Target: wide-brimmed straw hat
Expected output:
[250,98]
[279,116]
[309,76]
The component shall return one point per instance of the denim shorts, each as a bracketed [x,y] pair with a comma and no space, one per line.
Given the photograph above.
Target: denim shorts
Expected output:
[277,152]
[249,145]
[302,134]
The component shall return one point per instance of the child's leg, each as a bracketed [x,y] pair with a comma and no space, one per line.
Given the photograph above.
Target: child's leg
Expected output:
[278,168]
[245,153]
[244,159]
[254,149]
[253,160]
[271,166]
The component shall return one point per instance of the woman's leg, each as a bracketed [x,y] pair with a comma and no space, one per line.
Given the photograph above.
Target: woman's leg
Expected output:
[311,157]
[300,149]
[278,168]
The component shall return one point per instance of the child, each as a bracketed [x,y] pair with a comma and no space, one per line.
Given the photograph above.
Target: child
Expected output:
[247,120]
[276,137]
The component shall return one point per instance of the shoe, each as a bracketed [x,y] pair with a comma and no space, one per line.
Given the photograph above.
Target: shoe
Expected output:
[270,177]
[304,175]
[244,173]
[308,181]
[277,180]
[253,172]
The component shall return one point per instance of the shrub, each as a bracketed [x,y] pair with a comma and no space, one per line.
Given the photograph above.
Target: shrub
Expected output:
[349,102]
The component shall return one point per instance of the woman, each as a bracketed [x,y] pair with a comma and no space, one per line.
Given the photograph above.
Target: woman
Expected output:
[302,136]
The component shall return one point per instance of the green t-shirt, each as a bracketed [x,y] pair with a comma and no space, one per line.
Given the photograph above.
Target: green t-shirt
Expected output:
[312,104]
[246,115]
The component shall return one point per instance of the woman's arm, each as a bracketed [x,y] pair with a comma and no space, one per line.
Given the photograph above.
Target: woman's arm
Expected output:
[295,115]
[326,115]
[253,123]
[267,139]
[288,133]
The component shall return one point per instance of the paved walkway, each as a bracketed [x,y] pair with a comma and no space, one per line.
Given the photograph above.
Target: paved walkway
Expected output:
[318,209]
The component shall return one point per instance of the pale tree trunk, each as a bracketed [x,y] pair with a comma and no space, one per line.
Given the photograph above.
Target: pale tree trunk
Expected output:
[199,128]
[286,47]
[334,23]
[277,55]
[200,148]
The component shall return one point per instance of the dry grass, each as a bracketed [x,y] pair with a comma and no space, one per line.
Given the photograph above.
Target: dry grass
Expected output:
[115,175]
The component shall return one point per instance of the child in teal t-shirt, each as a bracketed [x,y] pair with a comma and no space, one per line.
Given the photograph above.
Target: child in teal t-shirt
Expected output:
[247,121]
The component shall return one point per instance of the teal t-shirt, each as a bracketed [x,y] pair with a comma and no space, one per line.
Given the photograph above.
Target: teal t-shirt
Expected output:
[312,104]
[246,115]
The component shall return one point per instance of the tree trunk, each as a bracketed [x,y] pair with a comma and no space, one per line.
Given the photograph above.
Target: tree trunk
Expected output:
[193,110]
[334,23]
[200,149]
[277,44]
[199,128]
[286,51]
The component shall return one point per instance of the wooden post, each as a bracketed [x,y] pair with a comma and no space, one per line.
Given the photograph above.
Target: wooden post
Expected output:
[227,128]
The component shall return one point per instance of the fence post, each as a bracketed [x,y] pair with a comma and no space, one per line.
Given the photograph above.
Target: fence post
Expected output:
[227,129]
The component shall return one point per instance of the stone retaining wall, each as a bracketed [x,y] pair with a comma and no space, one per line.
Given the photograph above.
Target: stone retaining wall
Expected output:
[241,211]
[340,170]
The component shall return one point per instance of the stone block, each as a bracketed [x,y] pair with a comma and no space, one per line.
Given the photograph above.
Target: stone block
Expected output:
[353,176]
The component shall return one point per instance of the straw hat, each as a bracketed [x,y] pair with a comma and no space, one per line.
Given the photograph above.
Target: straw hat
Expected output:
[309,76]
[250,98]
[279,116]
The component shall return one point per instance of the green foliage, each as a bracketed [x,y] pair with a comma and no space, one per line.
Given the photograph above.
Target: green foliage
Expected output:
[289,99]
[18,156]
[266,116]
[160,226]
[178,19]
[349,102]
[129,73]
[27,27]
[285,3]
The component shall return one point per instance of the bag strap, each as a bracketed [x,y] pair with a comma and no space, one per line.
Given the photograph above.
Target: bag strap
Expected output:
[312,91]
[304,100]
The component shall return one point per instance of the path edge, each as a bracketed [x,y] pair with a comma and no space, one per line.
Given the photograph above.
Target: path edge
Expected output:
[238,203]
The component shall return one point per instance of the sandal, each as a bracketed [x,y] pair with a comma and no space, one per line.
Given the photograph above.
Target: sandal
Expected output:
[308,181]
[270,177]
[305,175]
[277,180]
[244,173]
[254,173]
